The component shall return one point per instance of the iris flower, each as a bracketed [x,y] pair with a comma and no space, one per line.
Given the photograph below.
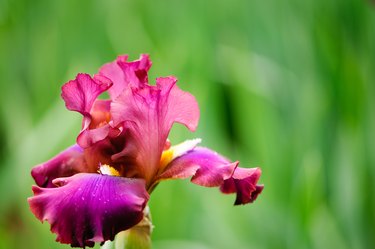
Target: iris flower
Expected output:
[100,186]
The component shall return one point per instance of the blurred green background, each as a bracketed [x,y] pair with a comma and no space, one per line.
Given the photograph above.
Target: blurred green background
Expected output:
[285,85]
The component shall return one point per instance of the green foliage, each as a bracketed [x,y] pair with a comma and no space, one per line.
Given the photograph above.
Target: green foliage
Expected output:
[286,85]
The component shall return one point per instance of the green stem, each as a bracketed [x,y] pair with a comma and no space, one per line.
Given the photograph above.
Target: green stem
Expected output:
[137,237]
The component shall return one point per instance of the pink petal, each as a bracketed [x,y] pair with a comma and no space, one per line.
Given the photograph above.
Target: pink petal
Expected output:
[148,114]
[243,182]
[89,208]
[209,169]
[124,74]
[67,163]
[79,94]
[95,127]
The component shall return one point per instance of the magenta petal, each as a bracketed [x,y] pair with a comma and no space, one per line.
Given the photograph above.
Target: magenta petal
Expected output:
[89,208]
[208,168]
[148,113]
[124,74]
[87,137]
[244,183]
[95,127]
[67,163]
[136,71]
[79,94]
[177,105]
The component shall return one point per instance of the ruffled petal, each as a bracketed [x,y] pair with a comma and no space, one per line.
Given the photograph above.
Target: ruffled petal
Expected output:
[89,208]
[67,163]
[147,114]
[208,168]
[80,94]
[124,74]
[97,125]
[243,182]
[136,72]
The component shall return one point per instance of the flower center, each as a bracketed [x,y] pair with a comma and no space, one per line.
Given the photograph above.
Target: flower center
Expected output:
[99,119]
[105,169]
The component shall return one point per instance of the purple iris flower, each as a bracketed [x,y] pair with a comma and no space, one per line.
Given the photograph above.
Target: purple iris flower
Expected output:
[100,186]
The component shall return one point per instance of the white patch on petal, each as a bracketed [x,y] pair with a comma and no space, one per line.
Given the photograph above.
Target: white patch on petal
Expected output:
[182,148]
[177,150]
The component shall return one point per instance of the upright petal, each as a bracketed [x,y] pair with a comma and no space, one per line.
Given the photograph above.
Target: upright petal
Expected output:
[89,208]
[96,126]
[136,72]
[67,163]
[124,74]
[209,169]
[79,94]
[148,113]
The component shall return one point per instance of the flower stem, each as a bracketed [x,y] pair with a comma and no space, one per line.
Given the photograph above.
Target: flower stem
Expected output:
[137,237]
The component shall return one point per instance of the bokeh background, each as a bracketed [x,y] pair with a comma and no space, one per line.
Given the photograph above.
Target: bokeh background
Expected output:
[285,85]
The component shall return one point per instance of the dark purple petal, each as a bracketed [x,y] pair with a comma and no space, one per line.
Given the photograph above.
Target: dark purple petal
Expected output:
[124,74]
[67,163]
[148,113]
[89,208]
[208,168]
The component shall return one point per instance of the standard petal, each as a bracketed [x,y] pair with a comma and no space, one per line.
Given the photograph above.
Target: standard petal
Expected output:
[177,105]
[148,113]
[67,163]
[208,168]
[89,208]
[79,94]
[136,72]
[97,125]
[124,74]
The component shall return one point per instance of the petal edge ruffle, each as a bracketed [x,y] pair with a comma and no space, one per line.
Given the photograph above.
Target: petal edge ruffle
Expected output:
[243,183]
[148,113]
[80,94]
[66,163]
[208,168]
[89,208]
[124,73]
